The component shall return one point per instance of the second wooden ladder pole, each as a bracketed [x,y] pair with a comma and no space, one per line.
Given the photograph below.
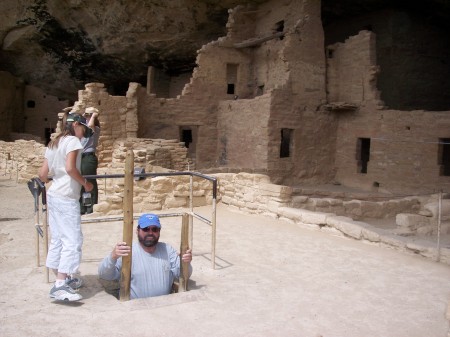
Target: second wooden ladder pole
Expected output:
[184,266]
[125,276]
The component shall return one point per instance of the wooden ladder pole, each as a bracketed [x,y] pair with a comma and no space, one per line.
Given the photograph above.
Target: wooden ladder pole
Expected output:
[184,266]
[125,276]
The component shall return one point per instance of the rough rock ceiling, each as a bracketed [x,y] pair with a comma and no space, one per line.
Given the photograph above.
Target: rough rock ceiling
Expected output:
[437,11]
[59,45]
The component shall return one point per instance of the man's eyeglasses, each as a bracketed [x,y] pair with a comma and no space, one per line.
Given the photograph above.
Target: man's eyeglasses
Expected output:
[148,229]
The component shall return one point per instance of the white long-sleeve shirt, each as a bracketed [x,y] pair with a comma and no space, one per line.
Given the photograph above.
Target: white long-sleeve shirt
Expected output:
[151,274]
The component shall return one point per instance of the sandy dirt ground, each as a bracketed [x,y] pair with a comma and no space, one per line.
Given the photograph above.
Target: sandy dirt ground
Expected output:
[272,278]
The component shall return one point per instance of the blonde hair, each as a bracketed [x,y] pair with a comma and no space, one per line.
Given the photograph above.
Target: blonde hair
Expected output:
[68,130]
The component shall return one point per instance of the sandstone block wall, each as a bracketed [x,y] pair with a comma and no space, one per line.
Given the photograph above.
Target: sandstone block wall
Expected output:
[251,193]
[254,194]
[117,116]
[161,118]
[352,69]
[169,154]
[358,209]
[404,155]
[154,155]
[312,150]
[411,59]
[21,160]
[154,193]
[243,133]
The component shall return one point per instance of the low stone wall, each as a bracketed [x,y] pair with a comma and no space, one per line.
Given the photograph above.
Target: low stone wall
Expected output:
[156,193]
[358,209]
[250,193]
[170,154]
[254,194]
[21,159]
[345,226]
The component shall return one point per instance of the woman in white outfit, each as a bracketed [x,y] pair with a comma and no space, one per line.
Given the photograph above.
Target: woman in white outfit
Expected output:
[62,162]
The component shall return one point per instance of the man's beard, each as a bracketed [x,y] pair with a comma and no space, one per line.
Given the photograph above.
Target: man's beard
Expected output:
[148,240]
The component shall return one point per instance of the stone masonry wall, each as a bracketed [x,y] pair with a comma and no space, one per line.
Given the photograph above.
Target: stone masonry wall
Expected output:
[115,115]
[154,155]
[197,105]
[404,155]
[148,153]
[21,159]
[243,142]
[294,104]
[254,194]
[250,193]
[352,69]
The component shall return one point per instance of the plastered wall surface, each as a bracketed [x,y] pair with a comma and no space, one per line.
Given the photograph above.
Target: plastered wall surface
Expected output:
[40,112]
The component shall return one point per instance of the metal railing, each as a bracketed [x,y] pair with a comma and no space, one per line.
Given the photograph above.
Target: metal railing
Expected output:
[37,188]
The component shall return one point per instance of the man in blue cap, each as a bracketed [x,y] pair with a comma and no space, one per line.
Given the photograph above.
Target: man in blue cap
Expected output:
[154,264]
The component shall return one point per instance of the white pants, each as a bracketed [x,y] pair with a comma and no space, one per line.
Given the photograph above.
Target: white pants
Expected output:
[64,253]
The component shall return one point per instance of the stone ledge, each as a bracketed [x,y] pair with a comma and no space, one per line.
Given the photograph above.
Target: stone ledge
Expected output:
[345,226]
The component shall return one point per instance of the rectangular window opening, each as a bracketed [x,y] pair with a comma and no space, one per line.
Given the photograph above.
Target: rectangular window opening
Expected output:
[260,90]
[330,53]
[232,78]
[285,146]
[444,156]
[186,136]
[230,89]
[363,154]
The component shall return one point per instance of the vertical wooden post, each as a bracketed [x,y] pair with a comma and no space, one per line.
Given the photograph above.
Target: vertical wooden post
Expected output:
[36,221]
[213,235]
[125,276]
[184,266]
[45,226]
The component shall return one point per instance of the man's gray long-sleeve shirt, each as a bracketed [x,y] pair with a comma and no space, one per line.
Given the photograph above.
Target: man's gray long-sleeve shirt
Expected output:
[151,274]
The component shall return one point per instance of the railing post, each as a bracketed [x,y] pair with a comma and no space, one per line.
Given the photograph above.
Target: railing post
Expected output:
[191,209]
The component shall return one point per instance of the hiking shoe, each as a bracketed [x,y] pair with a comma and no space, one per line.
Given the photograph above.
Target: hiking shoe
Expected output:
[74,282]
[64,293]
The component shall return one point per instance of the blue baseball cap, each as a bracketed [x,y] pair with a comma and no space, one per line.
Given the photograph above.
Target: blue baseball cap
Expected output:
[148,219]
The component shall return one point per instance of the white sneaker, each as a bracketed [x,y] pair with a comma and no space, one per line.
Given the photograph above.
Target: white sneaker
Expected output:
[74,282]
[64,293]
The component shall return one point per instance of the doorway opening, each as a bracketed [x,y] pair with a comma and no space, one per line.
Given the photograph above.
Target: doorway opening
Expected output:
[363,154]
[285,146]
[444,156]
